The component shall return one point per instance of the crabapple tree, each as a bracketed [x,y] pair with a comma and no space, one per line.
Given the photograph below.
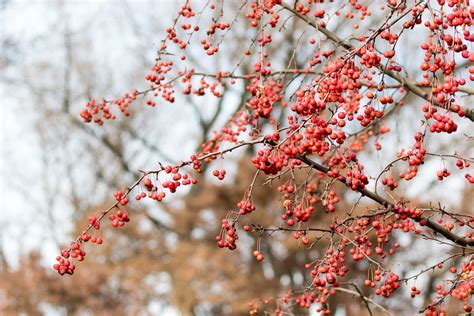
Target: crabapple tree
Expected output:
[321,126]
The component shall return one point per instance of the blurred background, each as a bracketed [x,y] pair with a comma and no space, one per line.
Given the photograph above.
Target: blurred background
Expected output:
[56,170]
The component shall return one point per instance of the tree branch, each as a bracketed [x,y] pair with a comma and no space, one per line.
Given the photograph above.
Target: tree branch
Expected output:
[364,298]
[423,221]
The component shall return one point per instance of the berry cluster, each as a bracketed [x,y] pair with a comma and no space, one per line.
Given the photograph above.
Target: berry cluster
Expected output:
[356,179]
[119,219]
[330,200]
[414,291]
[390,183]
[245,207]
[390,285]
[258,255]
[444,173]
[264,97]
[88,237]
[415,157]
[228,236]
[219,174]
[121,197]
[270,162]
[64,266]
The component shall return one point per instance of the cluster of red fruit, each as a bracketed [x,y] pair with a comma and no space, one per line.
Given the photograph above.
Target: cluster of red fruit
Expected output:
[407,212]
[257,10]
[152,191]
[355,179]
[64,265]
[270,162]
[415,157]
[229,234]
[390,285]
[339,83]
[301,214]
[414,291]
[444,173]
[258,255]
[330,200]
[390,183]
[119,219]
[443,123]
[305,300]
[121,197]
[94,222]
[94,239]
[245,207]
[219,174]
[307,103]
[264,97]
